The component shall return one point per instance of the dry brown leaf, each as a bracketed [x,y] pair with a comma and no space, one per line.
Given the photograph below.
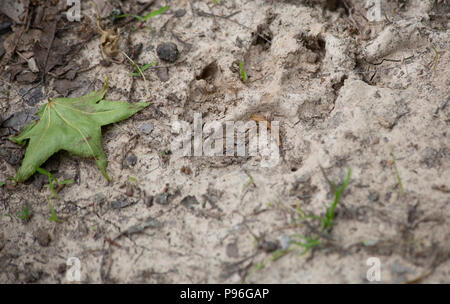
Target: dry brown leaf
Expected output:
[109,41]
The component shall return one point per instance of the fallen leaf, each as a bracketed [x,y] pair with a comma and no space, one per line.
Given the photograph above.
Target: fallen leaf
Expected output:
[109,41]
[74,125]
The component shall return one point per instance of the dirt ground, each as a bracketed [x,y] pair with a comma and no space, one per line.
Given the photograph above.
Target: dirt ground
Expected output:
[349,92]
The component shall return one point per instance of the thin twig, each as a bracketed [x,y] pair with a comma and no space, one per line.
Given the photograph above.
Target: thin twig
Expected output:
[436,59]
[390,60]
[140,72]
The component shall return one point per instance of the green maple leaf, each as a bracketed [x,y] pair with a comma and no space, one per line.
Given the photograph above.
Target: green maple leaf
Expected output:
[74,125]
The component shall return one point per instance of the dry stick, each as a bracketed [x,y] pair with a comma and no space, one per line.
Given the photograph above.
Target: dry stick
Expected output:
[330,183]
[167,65]
[22,56]
[390,60]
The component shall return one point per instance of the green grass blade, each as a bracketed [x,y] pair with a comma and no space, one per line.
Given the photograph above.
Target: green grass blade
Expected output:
[328,220]
[242,70]
[154,13]
[53,217]
[143,68]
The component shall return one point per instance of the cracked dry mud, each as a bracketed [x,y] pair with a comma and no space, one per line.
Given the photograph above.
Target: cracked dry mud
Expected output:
[348,93]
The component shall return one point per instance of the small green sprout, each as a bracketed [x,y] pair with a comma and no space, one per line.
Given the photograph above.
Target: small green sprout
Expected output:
[397,174]
[280,253]
[242,70]
[146,17]
[143,68]
[53,181]
[53,217]
[153,13]
[310,243]
[327,222]
[250,182]
[24,214]
[260,266]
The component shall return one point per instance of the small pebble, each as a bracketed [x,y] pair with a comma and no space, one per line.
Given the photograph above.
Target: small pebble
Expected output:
[185,170]
[373,196]
[99,198]
[129,191]
[131,160]
[146,128]
[62,268]
[167,51]
[151,222]
[163,74]
[162,199]
[269,246]
[43,237]
[119,204]
[189,201]
[179,13]
[232,250]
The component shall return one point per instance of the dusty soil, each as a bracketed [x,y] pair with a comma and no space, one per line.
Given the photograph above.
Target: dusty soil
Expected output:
[371,96]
